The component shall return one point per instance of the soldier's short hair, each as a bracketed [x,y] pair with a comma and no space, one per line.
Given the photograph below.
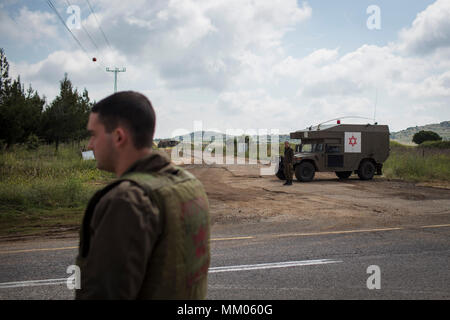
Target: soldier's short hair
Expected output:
[132,110]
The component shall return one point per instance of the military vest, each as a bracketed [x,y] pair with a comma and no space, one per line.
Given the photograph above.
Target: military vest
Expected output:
[179,263]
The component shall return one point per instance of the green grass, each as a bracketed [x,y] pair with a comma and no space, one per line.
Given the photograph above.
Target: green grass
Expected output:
[418,163]
[435,144]
[41,190]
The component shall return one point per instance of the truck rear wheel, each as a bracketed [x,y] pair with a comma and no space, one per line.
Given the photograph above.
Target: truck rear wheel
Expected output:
[366,170]
[280,174]
[305,171]
[343,174]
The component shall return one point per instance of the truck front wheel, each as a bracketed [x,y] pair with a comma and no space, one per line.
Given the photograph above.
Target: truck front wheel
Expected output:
[305,171]
[366,170]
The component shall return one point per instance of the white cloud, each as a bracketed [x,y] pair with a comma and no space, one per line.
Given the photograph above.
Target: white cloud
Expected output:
[224,62]
[28,26]
[45,75]
[199,43]
[430,31]
[332,86]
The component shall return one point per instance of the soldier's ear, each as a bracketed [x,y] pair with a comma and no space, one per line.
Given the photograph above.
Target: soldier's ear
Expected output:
[120,136]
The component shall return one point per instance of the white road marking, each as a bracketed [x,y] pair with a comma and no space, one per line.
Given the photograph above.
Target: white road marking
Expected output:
[244,267]
[272,265]
[32,283]
[233,238]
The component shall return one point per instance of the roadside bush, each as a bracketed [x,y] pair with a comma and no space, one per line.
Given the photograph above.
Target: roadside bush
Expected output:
[32,142]
[423,136]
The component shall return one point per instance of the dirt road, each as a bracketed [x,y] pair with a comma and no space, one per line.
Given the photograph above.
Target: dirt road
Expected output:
[239,195]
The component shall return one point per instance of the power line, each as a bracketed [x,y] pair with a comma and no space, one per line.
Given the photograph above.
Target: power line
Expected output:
[52,6]
[115,70]
[98,24]
[85,30]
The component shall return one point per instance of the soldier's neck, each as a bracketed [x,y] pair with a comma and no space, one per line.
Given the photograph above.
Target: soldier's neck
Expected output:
[126,159]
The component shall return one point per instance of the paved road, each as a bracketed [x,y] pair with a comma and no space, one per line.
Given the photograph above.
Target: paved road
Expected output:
[413,262]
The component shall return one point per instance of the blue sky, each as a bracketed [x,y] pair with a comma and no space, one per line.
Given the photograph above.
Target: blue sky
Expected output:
[343,24]
[244,64]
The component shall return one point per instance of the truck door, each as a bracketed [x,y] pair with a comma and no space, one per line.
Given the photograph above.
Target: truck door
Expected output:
[334,156]
[320,155]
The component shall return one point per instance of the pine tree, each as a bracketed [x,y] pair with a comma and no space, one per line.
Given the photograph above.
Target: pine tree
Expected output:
[4,74]
[11,108]
[65,119]
[23,118]
[20,112]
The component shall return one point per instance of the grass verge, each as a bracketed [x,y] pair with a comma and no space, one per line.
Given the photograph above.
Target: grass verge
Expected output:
[418,164]
[42,191]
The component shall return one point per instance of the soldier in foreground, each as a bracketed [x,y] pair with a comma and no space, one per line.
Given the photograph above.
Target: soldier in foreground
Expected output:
[146,235]
[288,163]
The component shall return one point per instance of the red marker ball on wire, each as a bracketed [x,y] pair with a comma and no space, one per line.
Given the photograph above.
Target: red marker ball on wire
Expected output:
[94,59]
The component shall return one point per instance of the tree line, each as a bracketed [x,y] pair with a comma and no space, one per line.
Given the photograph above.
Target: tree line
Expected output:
[26,117]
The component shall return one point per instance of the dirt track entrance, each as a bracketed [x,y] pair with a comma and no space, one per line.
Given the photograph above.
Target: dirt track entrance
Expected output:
[238,196]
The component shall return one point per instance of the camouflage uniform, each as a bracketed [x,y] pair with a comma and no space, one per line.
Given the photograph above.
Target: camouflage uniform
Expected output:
[146,236]
[288,164]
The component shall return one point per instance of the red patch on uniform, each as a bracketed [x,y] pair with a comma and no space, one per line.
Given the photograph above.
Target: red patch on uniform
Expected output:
[193,207]
[199,240]
[200,236]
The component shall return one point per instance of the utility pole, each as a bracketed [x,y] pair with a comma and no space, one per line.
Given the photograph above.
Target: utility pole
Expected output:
[115,70]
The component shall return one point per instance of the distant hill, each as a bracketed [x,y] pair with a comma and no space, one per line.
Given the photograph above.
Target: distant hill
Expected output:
[405,136]
[209,136]
[206,136]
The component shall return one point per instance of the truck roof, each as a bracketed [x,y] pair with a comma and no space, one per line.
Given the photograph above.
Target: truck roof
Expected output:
[322,131]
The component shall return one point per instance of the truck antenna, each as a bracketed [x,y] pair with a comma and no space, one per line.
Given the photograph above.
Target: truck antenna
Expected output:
[375,107]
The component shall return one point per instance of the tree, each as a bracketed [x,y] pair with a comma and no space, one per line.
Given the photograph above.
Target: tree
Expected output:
[23,118]
[4,84]
[66,118]
[4,74]
[20,112]
[423,135]
[84,106]
[32,118]
[11,107]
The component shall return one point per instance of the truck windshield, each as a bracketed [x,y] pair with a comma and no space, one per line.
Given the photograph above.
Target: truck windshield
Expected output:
[310,147]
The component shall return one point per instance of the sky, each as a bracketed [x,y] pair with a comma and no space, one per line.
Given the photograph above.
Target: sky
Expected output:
[242,64]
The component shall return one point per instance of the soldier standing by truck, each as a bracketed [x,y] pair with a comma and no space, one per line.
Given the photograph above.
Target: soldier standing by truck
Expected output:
[288,163]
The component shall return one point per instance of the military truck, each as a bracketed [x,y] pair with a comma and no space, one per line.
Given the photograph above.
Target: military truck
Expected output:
[342,148]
